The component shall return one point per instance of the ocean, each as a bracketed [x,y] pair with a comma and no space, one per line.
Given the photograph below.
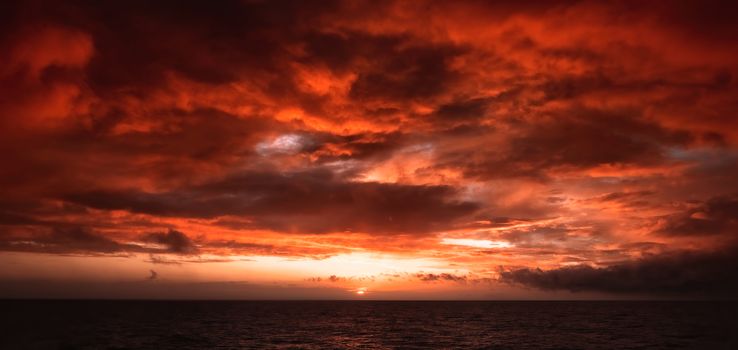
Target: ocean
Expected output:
[31,324]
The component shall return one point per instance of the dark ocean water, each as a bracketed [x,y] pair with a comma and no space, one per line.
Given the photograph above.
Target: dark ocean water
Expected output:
[367,325]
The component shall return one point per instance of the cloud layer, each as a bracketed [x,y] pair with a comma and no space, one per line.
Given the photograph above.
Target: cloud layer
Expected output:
[597,141]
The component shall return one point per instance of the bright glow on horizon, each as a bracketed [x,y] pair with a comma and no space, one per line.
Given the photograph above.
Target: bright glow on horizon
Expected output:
[354,264]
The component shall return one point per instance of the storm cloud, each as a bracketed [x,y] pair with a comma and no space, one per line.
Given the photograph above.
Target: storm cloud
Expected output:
[691,274]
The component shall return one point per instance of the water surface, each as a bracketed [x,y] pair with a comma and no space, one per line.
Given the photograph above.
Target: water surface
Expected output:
[367,325]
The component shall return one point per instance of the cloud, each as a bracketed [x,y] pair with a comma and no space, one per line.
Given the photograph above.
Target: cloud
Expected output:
[66,240]
[718,215]
[175,241]
[432,277]
[283,129]
[576,138]
[299,202]
[693,274]
[623,196]
[343,279]
[407,72]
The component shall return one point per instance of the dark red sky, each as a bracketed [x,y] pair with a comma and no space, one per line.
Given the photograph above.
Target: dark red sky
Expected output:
[404,149]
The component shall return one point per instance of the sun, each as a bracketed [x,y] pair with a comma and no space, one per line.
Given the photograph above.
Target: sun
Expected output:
[361,291]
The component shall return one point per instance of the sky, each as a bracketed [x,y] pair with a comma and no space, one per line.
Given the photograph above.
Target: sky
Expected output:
[368,149]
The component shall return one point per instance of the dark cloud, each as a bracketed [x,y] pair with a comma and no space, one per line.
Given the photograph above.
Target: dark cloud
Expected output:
[157,259]
[695,274]
[175,241]
[463,110]
[568,87]
[175,150]
[408,73]
[343,279]
[72,240]
[623,196]
[537,236]
[581,138]
[328,147]
[632,199]
[299,202]
[15,219]
[432,277]
[211,44]
[718,215]
[706,20]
